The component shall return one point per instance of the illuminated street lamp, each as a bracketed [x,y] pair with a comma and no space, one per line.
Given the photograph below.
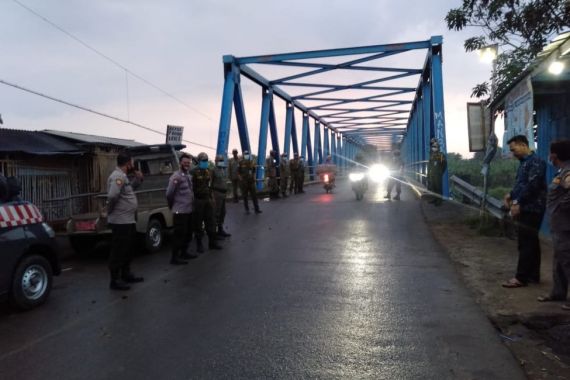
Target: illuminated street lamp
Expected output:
[556,68]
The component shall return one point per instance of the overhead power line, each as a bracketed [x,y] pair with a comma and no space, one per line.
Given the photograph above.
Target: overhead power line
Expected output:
[86,45]
[95,112]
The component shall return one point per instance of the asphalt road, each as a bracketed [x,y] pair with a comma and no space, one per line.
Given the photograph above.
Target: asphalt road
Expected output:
[318,286]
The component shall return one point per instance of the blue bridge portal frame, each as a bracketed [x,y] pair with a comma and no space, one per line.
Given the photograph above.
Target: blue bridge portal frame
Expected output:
[392,112]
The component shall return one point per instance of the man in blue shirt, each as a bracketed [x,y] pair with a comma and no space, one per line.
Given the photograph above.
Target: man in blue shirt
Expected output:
[527,203]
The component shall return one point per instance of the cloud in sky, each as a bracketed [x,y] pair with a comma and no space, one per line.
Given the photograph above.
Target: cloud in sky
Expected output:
[178,45]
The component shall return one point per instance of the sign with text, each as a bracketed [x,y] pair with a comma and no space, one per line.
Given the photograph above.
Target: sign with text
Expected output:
[478,125]
[174,134]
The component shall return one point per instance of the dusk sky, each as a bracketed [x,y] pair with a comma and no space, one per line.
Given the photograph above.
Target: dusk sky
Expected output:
[178,46]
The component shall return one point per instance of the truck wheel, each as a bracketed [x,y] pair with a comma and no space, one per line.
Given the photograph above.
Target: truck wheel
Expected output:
[154,235]
[32,282]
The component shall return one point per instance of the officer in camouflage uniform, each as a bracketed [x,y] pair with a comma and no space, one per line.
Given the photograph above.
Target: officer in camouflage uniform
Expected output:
[558,209]
[396,176]
[234,165]
[121,210]
[436,167]
[203,208]
[246,174]
[220,187]
[271,174]
[284,172]
[301,175]
[294,170]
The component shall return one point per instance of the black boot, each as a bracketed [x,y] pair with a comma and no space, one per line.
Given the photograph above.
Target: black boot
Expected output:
[199,245]
[117,283]
[397,197]
[223,233]
[212,243]
[177,259]
[187,255]
[258,211]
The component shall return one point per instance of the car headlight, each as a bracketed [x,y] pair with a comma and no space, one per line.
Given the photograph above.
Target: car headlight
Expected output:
[48,230]
[378,173]
[355,177]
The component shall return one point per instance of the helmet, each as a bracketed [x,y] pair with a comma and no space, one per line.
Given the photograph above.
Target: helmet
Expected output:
[434,142]
[219,157]
[202,157]
[234,151]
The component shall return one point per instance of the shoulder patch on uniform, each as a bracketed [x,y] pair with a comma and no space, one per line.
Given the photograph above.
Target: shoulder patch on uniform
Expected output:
[119,182]
[566,182]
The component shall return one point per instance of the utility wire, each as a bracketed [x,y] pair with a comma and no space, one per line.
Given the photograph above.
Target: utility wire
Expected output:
[95,112]
[111,60]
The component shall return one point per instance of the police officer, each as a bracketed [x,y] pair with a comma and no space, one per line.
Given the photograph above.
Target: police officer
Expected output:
[219,186]
[246,173]
[203,207]
[271,174]
[180,197]
[284,173]
[294,170]
[121,210]
[396,178]
[436,167]
[234,176]
[301,175]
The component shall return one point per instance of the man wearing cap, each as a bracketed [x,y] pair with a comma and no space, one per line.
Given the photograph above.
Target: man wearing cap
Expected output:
[271,174]
[246,174]
[234,176]
[436,168]
[121,217]
[180,196]
[301,175]
[284,173]
[294,169]
[220,188]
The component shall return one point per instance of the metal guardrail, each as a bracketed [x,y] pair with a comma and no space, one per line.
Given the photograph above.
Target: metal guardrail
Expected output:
[492,205]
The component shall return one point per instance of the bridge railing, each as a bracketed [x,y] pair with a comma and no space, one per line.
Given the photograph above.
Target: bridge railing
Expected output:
[475,195]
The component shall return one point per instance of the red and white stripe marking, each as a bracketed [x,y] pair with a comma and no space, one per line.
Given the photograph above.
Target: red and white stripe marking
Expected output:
[19,215]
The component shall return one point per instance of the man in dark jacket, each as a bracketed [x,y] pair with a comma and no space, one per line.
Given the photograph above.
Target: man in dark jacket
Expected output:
[527,202]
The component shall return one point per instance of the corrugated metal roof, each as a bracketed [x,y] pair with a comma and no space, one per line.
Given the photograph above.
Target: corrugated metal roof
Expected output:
[92,139]
[34,142]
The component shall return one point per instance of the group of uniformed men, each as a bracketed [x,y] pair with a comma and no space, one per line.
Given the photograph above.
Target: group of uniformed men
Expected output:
[284,173]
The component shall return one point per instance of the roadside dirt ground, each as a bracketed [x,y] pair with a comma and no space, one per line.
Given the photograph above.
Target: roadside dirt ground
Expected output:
[538,334]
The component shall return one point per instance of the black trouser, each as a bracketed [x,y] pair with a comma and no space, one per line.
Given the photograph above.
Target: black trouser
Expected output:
[203,212]
[528,268]
[394,181]
[248,189]
[182,233]
[560,264]
[220,214]
[122,244]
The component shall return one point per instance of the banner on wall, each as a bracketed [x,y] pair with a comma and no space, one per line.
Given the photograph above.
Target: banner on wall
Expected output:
[519,110]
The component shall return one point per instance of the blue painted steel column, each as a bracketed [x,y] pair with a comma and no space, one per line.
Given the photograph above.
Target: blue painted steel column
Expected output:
[333,146]
[426,94]
[294,135]
[317,138]
[309,147]
[305,137]
[262,146]
[326,145]
[226,112]
[288,128]
[240,118]
[273,130]
[438,107]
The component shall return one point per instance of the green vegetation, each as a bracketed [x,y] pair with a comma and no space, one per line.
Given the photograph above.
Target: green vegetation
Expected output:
[501,178]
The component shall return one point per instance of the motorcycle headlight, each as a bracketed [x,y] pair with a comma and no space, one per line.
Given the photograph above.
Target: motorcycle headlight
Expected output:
[355,177]
[378,173]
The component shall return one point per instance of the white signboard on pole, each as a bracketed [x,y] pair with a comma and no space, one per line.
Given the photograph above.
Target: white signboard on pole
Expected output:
[174,134]
[479,126]
[519,118]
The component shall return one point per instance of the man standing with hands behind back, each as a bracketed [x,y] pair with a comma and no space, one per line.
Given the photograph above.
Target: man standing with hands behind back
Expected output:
[527,202]
[121,211]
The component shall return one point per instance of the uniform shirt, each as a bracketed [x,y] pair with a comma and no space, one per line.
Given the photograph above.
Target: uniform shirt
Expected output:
[246,170]
[233,172]
[270,167]
[530,185]
[121,199]
[201,181]
[284,167]
[179,192]
[294,165]
[219,180]
[558,201]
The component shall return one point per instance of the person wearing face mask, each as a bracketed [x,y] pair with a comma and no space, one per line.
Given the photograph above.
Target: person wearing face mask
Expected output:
[180,196]
[436,168]
[284,173]
[271,165]
[246,172]
[527,203]
[219,185]
[121,210]
[558,209]
[233,172]
[396,178]
[203,207]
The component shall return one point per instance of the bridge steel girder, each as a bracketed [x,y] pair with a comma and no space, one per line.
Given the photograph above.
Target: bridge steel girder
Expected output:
[347,123]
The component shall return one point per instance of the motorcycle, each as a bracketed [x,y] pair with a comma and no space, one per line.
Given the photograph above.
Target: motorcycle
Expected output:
[359,184]
[328,182]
